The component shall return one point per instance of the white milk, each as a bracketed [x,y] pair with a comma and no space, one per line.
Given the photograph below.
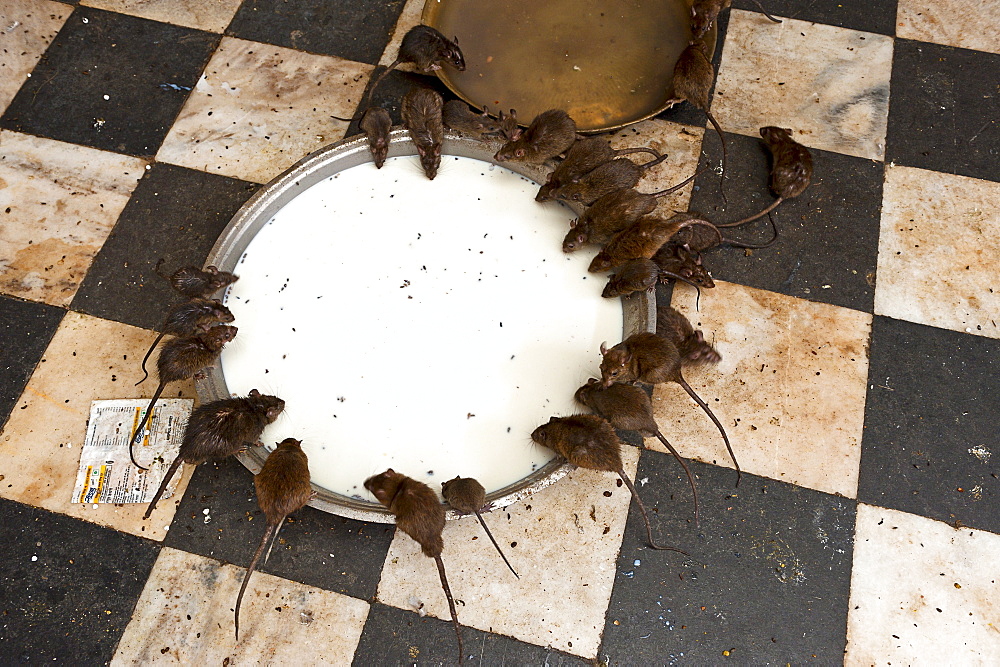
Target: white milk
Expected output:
[426,326]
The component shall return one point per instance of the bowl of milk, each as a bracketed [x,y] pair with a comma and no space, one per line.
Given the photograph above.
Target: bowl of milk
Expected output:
[422,325]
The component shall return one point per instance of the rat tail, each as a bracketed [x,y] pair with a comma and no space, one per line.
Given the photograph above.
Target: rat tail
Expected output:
[146,358]
[490,535]
[630,151]
[722,140]
[767,210]
[687,471]
[704,406]
[764,12]
[451,607]
[250,568]
[653,163]
[277,530]
[774,238]
[674,188]
[145,419]
[371,91]
[159,272]
[163,485]
[645,516]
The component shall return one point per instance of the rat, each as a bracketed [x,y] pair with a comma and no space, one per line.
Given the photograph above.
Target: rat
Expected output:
[680,260]
[420,515]
[468,496]
[376,123]
[654,359]
[551,133]
[628,408]
[641,240]
[509,129]
[428,50]
[589,441]
[219,429]
[459,117]
[690,342]
[421,111]
[693,79]
[187,319]
[704,13]
[584,156]
[640,274]
[608,177]
[791,168]
[283,488]
[180,359]
[193,282]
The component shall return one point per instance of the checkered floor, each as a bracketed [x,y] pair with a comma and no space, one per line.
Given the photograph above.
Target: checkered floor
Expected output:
[858,381]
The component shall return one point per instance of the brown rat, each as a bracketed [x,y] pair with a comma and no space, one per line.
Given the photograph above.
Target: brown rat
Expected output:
[467,495]
[589,441]
[180,359]
[509,129]
[628,408]
[376,124]
[680,260]
[640,240]
[282,488]
[639,274]
[421,111]
[193,282]
[428,50]
[187,319]
[704,13]
[459,117]
[219,429]
[551,133]
[791,168]
[584,156]
[420,515]
[690,342]
[654,359]
[608,177]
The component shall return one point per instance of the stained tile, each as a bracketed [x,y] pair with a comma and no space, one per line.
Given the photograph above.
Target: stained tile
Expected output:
[314,548]
[395,637]
[111,81]
[25,329]
[790,388]
[259,109]
[60,201]
[922,592]
[69,587]
[186,613]
[969,25]
[929,446]
[211,15]
[767,581]
[873,16]
[828,236]
[175,214]
[28,27]
[943,279]
[835,91]
[88,359]
[948,120]
[355,31]
[577,522]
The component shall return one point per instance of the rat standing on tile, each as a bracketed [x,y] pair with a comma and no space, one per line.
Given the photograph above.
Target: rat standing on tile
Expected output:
[467,495]
[193,282]
[428,50]
[551,133]
[704,13]
[188,319]
[420,515]
[583,157]
[376,124]
[421,111]
[282,488]
[605,179]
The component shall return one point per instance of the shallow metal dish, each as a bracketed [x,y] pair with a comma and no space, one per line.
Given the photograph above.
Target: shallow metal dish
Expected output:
[639,311]
[608,63]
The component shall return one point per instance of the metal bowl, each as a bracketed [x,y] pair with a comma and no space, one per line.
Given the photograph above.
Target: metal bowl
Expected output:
[639,311]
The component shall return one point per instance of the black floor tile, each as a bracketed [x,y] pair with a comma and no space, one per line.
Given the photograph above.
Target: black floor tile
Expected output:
[929,444]
[25,331]
[68,587]
[357,31]
[175,214]
[828,234]
[767,582]
[397,637]
[111,81]
[878,16]
[305,543]
[943,114]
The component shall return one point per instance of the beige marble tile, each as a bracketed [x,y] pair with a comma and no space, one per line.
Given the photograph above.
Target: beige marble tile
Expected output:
[577,523]
[834,93]
[681,142]
[790,388]
[409,17]
[88,359]
[258,109]
[939,245]
[972,24]
[282,622]
[210,15]
[27,27]
[922,592]
[58,203]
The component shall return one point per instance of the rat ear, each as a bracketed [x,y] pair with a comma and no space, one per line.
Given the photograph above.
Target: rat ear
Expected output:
[604,348]
[574,222]
[254,392]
